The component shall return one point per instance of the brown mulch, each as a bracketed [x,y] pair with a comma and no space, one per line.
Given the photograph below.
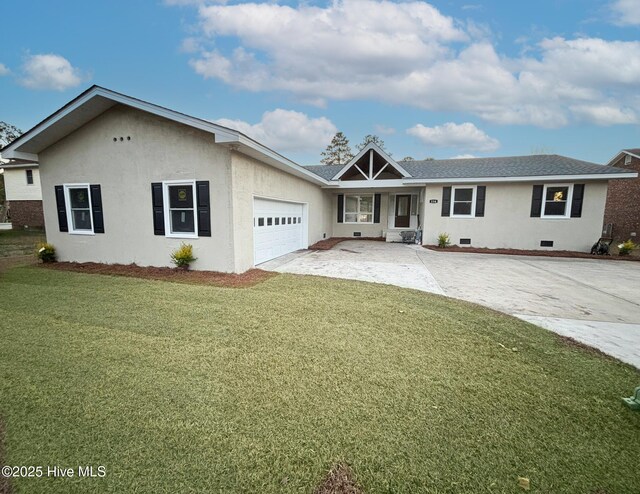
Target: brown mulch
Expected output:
[330,243]
[5,483]
[536,253]
[229,280]
[339,480]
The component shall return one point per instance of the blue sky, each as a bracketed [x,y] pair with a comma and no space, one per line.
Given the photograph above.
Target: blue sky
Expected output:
[439,79]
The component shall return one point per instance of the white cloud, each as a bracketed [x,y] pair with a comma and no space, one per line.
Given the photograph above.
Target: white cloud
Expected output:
[4,70]
[50,72]
[286,130]
[410,53]
[462,157]
[384,130]
[626,12]
[451,135]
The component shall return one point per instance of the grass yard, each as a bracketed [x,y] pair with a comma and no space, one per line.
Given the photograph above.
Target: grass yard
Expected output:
[186,388]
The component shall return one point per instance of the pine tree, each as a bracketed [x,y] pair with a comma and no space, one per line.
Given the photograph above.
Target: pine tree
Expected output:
[375,139]
[8,133]
[338,151]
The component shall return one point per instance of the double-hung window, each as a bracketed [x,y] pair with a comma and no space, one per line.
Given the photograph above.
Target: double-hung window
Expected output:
[29,175]
[556,200]
[180,212]
[358,208]
[78,201]
[463,201]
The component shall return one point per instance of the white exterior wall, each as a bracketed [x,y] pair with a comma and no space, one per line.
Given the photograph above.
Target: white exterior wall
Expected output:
[250,179]
[16,187]
[159,150]
[507,221]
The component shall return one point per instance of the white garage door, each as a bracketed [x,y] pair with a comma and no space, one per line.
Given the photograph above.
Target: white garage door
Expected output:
[277,229]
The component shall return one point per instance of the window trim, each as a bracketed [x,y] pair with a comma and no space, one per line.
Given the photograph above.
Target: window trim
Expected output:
[474,196]
[373,208]
[26,174]
[67,200]
[167,210]
[568,202]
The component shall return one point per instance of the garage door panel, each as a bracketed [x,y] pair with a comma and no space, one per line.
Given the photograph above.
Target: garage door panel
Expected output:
[278,229]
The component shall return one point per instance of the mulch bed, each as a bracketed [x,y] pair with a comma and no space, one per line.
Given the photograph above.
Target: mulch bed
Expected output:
[339,480]
[330,243]
[537,253]
[247,279]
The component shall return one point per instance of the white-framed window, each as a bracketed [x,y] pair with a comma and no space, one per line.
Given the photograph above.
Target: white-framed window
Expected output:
[627,159]
[463,202]
[556,200]
[180,218]
[358,208]
[29,176]
[79,211]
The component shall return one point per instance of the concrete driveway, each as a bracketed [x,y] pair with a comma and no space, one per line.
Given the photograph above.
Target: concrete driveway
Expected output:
[595,301]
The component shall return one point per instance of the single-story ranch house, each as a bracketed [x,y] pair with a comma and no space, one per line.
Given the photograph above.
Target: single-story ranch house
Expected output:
[126,181]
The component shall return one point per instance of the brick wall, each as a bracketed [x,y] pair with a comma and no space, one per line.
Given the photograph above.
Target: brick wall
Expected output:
[26,213]
[623,203]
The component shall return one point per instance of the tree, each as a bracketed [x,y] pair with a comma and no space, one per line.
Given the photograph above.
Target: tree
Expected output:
[8,133]
[408,158]
[375,139]
[338,151]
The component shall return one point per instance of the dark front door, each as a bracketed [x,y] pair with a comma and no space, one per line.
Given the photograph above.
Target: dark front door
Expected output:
[403,211]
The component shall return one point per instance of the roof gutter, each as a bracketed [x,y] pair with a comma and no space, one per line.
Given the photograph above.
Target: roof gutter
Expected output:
[539,178]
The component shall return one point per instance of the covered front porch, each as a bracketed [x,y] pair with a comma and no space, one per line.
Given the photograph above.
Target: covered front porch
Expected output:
[376,213]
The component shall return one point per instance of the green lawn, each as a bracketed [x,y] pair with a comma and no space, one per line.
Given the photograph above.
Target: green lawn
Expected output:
[19,242]
[184,388]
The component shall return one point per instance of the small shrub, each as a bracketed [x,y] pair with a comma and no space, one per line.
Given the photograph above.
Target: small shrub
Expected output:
[46,252]
[183,256]
[625,248]
[443,240]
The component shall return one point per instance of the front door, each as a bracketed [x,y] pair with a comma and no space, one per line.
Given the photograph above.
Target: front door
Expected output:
[403,211]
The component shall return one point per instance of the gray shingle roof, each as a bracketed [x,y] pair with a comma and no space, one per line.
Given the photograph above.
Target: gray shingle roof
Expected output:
[325,171]
[635,151]
[510,166]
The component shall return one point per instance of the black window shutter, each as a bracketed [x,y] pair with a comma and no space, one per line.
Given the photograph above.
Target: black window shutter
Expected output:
[376,208]
[536,201]
[62,209]
[204,209]
[446,201]
[481,192]
[158,208]
[340,208]
[96,209]
[576,202]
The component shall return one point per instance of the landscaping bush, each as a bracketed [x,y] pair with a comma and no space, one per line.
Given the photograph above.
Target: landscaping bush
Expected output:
[443,240]
[625,248]
[46,252]
[183,256]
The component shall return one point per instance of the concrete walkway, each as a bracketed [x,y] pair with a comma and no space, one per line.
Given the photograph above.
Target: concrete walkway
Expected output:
[593,301]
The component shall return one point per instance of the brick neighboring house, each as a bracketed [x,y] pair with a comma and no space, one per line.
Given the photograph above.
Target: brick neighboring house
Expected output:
[622,209]
[23,195]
